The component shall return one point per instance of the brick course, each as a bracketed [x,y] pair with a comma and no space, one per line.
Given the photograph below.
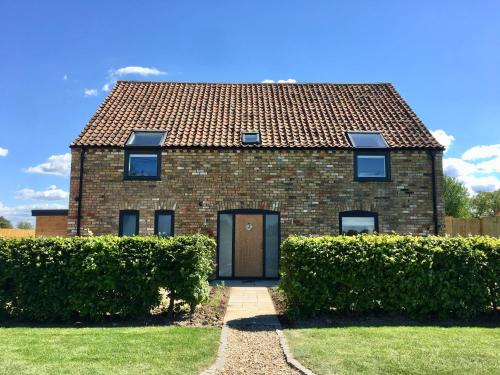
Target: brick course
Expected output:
[308,187]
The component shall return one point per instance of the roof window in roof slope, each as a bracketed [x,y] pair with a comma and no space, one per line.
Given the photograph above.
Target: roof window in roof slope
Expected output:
[367,140]
[146,138]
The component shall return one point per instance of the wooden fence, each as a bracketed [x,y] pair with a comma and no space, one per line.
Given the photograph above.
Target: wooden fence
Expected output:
[471,227]
[16,233]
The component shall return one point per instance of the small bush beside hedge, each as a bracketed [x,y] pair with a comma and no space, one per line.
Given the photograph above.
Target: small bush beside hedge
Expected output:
[420,276]
[58,279]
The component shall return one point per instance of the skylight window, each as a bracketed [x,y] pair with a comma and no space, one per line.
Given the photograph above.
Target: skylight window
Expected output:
[250,138]
[146,138]
[367,140]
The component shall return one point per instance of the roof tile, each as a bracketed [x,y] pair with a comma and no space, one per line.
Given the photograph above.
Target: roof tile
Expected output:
[307,115]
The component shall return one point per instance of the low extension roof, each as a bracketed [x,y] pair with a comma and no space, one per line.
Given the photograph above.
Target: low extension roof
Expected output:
[305,115]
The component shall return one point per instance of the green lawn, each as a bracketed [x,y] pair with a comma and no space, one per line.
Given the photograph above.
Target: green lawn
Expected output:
[137,350]
[397,350]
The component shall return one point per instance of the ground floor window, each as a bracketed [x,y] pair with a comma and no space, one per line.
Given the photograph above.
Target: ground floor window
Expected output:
[164,223]
[356,222]
[129,223]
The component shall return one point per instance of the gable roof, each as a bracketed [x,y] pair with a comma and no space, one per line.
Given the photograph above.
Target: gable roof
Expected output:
[305,115]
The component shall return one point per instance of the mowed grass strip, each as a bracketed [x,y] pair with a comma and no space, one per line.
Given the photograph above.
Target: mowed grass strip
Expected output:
[137,350]
[397,350]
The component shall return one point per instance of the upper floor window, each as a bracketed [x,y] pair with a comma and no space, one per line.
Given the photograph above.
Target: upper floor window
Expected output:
[129,223]
[371,166]
[250,138]
[146,138]
[143,155]
[371,158]
[142,164]
[358,222]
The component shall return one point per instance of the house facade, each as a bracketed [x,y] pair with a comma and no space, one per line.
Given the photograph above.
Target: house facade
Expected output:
[250,164]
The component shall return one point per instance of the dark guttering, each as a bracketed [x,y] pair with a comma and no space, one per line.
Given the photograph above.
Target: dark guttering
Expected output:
[80,191]
[432,154]
[258,147]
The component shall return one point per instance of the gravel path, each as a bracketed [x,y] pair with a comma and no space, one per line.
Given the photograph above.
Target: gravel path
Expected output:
[253,344]
[252,350]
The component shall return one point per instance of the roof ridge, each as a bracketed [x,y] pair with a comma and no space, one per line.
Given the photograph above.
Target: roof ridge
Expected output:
[259,83]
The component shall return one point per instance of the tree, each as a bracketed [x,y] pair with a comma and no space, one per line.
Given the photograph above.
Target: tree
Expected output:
[486,203]
[456,198]
[4,223]
[24,225]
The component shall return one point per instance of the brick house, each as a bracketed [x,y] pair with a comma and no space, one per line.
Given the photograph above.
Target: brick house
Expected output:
[250,164]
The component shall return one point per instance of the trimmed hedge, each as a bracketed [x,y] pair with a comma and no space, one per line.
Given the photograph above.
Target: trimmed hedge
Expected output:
[58,279]
[419,276]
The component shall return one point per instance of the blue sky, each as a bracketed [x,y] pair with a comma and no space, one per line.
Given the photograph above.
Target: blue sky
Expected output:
[56,57]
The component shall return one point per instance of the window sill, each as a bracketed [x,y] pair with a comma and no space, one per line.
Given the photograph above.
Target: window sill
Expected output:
[141,178]
[372,179]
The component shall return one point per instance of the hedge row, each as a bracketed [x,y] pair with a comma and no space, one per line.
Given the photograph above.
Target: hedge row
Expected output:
[419,276]
[58,279]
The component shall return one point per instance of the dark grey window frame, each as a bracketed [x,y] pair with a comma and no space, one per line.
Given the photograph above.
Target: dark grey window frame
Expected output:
[358,213]
[146,150]
[234,212]
[250,133]
[172,222]
[128,212]
[372,151]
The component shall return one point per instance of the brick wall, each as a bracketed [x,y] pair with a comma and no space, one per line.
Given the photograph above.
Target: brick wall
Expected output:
[309,188]
[56,225]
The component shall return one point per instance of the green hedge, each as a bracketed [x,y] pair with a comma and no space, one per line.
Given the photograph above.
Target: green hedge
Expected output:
[419,276]
[59,279]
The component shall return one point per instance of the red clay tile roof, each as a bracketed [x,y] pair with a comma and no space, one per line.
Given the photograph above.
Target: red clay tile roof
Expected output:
[308,115]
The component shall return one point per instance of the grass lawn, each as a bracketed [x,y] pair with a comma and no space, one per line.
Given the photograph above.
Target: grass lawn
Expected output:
[397,350]
[130,350]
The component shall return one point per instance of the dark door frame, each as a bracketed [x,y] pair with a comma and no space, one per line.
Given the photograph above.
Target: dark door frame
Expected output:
[249,211]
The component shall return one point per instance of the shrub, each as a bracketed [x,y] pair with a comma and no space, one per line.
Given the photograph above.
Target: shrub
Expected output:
[420,276]
[56,279]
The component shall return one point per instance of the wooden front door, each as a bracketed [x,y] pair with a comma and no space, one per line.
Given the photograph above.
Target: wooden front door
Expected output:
[248,245]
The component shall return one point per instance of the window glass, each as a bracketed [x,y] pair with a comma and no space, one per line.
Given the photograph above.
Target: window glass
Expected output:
[129,224]
[356,225]
[143,165]
[225,245]
[371,166]
[272,245]
[164,224]
[367,140]
[146,138]
[251,137]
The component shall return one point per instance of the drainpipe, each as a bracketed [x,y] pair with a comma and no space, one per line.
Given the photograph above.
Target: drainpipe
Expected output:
[80,191]
[432,154]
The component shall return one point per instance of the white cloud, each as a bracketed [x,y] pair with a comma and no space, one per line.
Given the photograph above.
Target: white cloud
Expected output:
[106,87]
[23,212]
[477,184]
[455,167]
[482,152]
[442,137]
[58,165]
[65,77]
[90,92]
[3,151]
[289,80]
[478,169]
[51,194]
[139,70]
